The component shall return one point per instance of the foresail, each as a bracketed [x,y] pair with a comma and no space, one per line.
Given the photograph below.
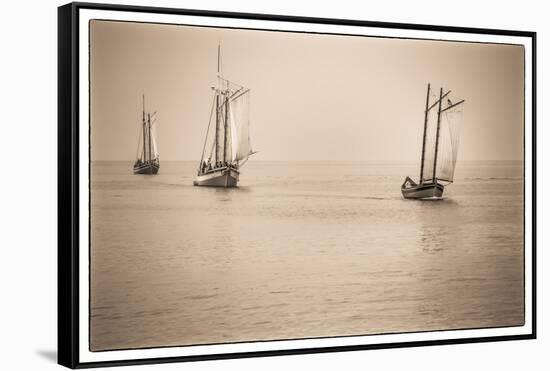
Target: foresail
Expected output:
[240,125]
[234,138]
[449,138]
[154,142]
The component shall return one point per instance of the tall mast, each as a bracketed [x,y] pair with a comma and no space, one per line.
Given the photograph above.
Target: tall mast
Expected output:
[217,146]
[225,124]
[149,132]
[143,120]
[424,136]
[437,133]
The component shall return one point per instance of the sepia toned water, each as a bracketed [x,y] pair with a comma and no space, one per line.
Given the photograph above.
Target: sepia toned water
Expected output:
[301,250]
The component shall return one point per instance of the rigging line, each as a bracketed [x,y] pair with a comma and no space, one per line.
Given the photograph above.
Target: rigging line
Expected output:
[231,99]
[231,82]
[212,150]
[241,164]
[436,102]
[454,105]
[221,107]
[207,131]
[247,157]
[138,154]
[236,91]
[240,95]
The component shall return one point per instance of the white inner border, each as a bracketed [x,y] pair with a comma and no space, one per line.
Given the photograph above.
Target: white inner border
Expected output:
[87,356]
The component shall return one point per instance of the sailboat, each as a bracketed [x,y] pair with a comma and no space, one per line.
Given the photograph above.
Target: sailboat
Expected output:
[147,161]
[442,120]
[227,148]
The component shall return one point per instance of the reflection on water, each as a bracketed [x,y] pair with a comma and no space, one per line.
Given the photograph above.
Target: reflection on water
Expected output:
[434,239]
[300,250]
[437,236]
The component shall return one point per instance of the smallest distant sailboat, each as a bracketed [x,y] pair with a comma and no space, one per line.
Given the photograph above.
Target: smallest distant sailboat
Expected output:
[147,161]
[442,121]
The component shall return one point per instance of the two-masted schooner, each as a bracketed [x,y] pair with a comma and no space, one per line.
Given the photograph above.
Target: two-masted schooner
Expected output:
[227,147]
[147,161]
[442,120]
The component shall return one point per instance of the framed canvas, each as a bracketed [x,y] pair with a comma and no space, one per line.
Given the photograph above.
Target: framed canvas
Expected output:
[241,185]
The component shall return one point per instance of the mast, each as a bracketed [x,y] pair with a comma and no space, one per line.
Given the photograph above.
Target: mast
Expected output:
[143,120]
[225,125]
[149,132]
[217,146]
[424,136]
[437,133]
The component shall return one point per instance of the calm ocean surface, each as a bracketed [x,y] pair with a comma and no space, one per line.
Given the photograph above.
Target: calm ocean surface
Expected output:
[299,250]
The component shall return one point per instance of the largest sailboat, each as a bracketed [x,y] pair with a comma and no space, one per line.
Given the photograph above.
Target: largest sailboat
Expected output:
[442,120]
[227,146]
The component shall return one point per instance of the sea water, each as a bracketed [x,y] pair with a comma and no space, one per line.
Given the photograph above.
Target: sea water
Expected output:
[301,250]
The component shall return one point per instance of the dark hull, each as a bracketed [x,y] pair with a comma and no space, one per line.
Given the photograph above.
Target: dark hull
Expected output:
[147,169]
[423,191]
[224,177]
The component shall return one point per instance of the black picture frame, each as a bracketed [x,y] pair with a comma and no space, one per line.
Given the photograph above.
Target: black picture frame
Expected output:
[69,170]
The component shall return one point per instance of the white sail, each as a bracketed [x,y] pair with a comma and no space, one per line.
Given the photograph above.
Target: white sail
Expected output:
[148,143]
[240,126]
[228,133]
[148,148]
[220,131]
[234,137]
[449,138]
[143,144]
[447,146]
[154,142]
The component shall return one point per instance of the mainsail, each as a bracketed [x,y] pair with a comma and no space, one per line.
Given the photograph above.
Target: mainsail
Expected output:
[231,138]
[441,138]
[147,148]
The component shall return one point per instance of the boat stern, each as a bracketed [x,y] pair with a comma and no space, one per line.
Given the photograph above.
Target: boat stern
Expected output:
[423,191]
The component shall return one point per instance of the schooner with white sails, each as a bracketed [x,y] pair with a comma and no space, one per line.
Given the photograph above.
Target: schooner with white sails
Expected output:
[147,161]
[227,144]
[442,121]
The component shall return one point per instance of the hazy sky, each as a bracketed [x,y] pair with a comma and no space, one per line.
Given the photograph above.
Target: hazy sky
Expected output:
[313,97]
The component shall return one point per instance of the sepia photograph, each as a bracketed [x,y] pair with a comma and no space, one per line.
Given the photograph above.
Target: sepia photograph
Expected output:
[252,185]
